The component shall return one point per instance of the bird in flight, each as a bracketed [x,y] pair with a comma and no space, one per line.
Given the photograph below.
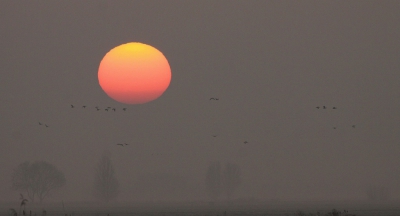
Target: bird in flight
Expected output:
[334,108]
[106,110]
[324,107]
[214,135]
[334,127]
[245,142]
[40,123]
[97,109]
[317,107]
[126,143]
[124,109]
[72,106]
[84,106]
[120,144]
[113,109]
[214,98]
[354,126]
[46,125]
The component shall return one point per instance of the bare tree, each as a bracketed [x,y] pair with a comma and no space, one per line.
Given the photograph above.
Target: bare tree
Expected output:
[378,193]
[224,181]
[23,203]
[13,212]
[230,179]
[106,186]
[213,180]
[37,179]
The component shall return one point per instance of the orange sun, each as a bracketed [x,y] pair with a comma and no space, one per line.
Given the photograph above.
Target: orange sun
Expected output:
[134,73]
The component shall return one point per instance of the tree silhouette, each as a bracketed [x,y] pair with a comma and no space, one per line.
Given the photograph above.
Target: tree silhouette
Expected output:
[106,186]
[222,181]
[213,180]
[37,179]
[13,212]
[23,203]
[230,179]
[378,193]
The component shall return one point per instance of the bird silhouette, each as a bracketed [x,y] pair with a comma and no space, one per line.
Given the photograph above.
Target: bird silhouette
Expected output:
[106,110]
[214,135]
[324,107]
[317,107]
[72,106]
[245,142]
[334,127]
[334,108]
[84,106]
[97,109]
[214,98]
[113,109]
[120,144]
[46,125]
[126,143]
[124,109]
[354,126]
[40,123]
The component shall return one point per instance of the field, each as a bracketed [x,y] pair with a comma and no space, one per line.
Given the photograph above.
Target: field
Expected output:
[205,209]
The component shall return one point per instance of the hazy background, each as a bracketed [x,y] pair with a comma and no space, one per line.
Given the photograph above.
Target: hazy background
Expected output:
[270,63]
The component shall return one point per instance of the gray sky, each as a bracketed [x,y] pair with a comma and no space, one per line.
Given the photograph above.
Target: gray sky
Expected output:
[270,63]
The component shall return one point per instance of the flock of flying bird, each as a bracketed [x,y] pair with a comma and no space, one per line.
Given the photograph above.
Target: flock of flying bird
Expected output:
[214,135]
[84,107]
[98,109]
[106,109]
[324,107]
[124,109]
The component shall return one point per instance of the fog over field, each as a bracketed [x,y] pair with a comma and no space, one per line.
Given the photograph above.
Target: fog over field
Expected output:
[289,105]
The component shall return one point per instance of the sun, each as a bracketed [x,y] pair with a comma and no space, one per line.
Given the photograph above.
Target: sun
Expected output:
[134,73]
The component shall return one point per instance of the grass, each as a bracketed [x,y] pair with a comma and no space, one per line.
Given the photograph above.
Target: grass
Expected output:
[196,209]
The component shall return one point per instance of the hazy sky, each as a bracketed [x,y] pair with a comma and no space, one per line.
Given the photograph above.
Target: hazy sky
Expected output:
[270,63]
